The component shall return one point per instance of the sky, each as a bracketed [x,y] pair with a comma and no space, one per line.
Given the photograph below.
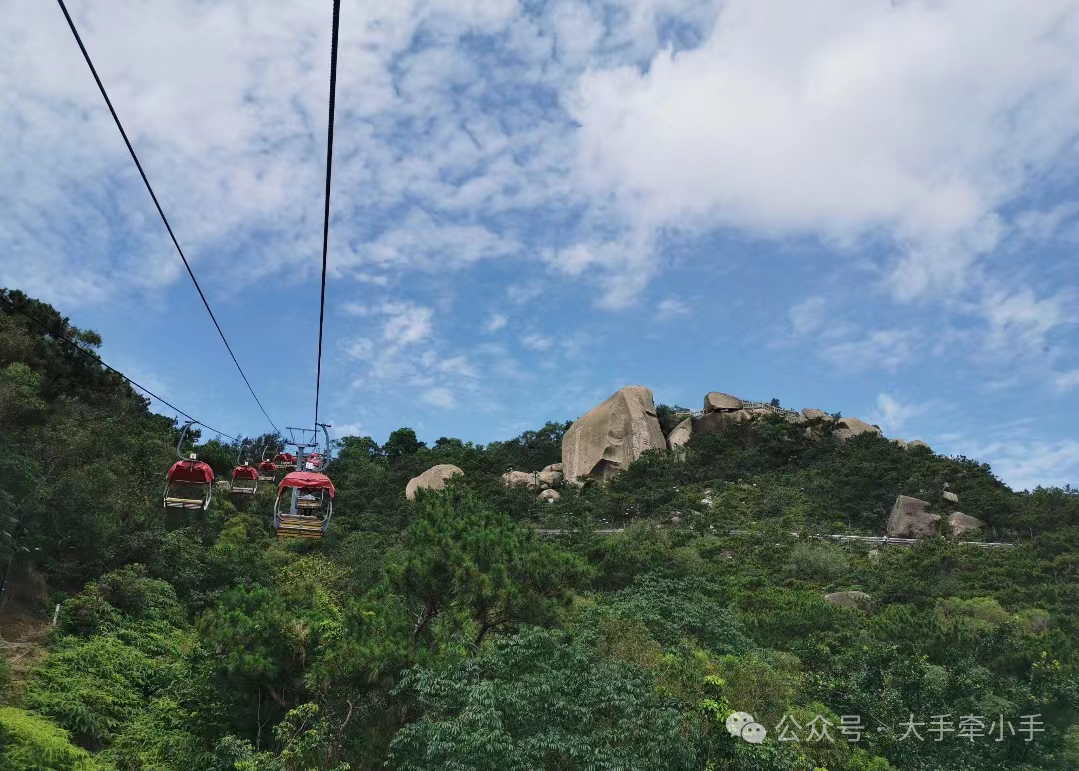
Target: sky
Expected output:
[856,205]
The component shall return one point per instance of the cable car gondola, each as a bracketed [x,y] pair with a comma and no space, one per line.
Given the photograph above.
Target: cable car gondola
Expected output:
[284,463]
[313,462]
[189,483]
[267,471]
[245,478]
[307,511]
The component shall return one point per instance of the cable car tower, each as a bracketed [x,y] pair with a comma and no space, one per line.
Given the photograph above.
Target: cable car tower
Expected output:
[310,502]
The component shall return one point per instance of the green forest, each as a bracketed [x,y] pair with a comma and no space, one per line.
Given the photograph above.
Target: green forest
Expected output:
[450,632]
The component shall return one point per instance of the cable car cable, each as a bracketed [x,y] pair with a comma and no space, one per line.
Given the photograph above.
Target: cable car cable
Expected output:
[54,334]
[326,216]
[160,211]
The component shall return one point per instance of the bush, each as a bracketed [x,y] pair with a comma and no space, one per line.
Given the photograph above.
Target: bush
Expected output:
[819,561]
[91,687]
[29,742]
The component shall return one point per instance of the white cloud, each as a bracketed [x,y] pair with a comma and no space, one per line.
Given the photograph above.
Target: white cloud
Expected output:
[1026,464]
[917,120]
[535,341]
[405,323]
[439,397]
[1065,381]
[348,429]
[672,307]
[892,415]
[1020,321]
[888,349]
[495,322]
[523,293]
[1043,224]
[807,316]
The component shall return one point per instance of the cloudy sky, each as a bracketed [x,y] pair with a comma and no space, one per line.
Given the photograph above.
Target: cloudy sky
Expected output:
[858,205]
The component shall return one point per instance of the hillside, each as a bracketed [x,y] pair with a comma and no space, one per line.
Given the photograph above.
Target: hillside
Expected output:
[453,631]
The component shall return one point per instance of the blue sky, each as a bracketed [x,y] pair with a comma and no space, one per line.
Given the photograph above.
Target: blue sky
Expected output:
[867,207]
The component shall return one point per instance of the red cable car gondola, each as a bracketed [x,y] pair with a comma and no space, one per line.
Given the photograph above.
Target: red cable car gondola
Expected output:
[310,508]
[245,478]
[189,482]
[267,470]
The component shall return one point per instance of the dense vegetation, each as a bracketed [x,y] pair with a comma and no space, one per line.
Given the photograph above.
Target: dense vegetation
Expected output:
[448,633]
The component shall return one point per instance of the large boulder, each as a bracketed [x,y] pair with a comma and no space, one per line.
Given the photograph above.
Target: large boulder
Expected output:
[549,496]
[856,600]
[950,496]
[548,479]
[717,422]
[715,401]
[610,436]
[680,434]
[519,479]
[847,428]
[902,444]
[911,518]
[917,443]
[553,467]
[810,413]
[434,478]
[960,524]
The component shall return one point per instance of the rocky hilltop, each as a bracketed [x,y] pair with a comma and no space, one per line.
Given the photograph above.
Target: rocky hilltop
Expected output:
[609,437]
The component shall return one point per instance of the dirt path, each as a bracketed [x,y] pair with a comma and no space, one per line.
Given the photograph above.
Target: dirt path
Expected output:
[24,635]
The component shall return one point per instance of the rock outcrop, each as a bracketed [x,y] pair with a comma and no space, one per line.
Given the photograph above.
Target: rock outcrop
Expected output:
[549,496]
[813,414]
[717,422]
[434,478]
[911,518]
[680,434]
[715,401]
[857,600]
[960,524]
[553,467]
[540,480]
[548,479]
[901,443]
[848,428]
[950,496]
[519,479]
[610,436]
[917,443]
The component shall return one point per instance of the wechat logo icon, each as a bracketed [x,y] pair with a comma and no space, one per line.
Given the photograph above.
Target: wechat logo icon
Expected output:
[742,724]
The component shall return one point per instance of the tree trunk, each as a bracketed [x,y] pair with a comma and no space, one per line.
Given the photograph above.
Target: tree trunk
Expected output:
[430,610]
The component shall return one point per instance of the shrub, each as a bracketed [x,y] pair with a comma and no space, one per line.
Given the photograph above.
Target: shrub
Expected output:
[29,742]
[818,561]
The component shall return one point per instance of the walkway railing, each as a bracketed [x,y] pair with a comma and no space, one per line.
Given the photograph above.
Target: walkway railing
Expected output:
[881,540]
